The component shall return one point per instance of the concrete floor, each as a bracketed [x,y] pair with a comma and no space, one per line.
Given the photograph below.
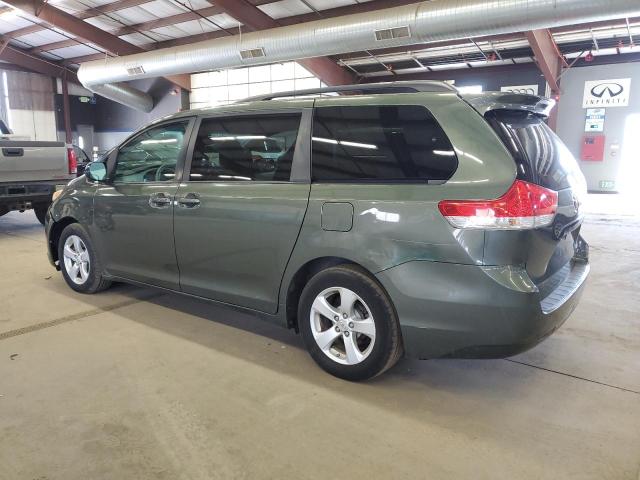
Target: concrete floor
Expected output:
[133,384]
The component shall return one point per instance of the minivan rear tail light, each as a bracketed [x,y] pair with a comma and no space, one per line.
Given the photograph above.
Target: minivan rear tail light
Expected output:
[524,206]
[72,161]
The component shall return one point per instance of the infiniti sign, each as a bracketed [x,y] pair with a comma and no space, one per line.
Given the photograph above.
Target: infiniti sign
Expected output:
[611,89]
[607,93]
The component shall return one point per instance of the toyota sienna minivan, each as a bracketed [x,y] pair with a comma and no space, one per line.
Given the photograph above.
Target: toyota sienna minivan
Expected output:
[384,220]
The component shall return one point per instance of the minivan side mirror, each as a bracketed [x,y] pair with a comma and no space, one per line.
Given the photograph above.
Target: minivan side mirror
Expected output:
[96,171]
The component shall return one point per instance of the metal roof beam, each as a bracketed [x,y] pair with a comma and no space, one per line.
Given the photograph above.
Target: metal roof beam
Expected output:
[24,59]
[70,42]
[124,30]
[89,33]
[110,7]
[86,58]
[75,26]
[91,12]
[141,27]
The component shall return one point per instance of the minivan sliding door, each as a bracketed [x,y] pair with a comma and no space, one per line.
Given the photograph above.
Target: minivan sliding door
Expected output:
[240,209]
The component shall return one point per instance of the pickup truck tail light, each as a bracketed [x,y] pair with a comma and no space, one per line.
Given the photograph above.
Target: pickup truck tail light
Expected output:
[524,206]
[72,161]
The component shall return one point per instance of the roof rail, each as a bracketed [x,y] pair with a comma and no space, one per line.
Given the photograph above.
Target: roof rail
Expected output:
[371,88]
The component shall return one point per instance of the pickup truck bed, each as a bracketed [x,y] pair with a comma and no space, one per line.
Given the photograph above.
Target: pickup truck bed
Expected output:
[29,173]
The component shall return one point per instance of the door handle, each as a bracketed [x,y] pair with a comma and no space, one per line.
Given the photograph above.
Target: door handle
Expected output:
[159,200]
[190,200]
[13,152]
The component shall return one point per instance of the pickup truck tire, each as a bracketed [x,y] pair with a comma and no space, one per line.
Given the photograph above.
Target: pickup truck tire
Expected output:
[81,254]
[40,210]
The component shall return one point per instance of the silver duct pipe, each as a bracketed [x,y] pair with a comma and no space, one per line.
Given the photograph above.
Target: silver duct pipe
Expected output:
[124,94]
[437,20]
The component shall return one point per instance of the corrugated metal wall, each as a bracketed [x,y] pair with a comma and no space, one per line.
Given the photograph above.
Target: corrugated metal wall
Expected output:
[27,104]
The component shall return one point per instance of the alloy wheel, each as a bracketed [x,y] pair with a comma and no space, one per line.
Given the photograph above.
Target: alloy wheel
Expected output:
[342,325]
[76,259]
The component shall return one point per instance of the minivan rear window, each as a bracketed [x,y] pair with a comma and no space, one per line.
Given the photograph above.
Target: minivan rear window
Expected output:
[541,157]
[390,143]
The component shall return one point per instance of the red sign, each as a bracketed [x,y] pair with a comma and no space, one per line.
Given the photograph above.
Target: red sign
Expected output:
[592,148]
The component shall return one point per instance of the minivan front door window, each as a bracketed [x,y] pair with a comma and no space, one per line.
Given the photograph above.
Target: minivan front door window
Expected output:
[151,156]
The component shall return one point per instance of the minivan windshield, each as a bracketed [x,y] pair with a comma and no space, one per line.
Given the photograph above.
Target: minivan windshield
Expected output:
[542,158]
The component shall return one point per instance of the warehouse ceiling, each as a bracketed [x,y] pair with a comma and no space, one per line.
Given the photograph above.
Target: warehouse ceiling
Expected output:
[148,25]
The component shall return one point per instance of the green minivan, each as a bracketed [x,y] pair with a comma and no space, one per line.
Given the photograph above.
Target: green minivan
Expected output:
[377,220]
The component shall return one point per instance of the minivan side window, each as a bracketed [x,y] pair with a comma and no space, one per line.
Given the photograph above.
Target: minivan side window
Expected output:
[257,147]
[380,144]
[151,156]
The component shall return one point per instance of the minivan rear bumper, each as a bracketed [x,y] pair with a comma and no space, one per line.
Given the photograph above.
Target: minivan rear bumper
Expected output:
[469,311]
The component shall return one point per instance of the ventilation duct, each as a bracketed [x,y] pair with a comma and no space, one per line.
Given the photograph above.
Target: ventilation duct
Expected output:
[391,33]
[424,22]
[124,94]
[135,70]
[253,53]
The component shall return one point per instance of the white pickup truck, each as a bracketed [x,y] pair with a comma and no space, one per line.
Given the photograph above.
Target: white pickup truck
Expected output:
[30,172]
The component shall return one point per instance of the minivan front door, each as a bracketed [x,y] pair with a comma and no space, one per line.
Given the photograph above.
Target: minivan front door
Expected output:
[133,213]
[239,212]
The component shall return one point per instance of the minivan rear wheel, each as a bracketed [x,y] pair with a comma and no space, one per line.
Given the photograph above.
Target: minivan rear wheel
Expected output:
[348,323]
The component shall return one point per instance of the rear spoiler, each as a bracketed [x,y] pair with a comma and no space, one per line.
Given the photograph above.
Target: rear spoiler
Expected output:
[486,102]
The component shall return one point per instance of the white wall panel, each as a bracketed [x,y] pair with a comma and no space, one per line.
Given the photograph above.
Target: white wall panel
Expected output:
[238,92]
[222,87]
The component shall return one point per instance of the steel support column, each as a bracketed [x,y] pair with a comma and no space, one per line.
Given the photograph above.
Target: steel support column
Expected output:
[66,110]
[550,62]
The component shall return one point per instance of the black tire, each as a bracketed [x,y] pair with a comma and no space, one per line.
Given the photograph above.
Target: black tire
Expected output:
[387,347]
[40,209]
[95,281]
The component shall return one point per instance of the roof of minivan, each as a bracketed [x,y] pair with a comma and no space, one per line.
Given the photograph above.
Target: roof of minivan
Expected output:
[304,97]
[482,102]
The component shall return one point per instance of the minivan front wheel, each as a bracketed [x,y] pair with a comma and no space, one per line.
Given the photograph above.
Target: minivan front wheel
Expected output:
[77,263]
[80,265]
[349,324]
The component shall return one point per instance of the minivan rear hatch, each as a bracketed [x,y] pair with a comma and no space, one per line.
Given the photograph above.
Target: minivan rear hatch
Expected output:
[541,158]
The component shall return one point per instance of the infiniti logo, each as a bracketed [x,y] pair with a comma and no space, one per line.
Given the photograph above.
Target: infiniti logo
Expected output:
[612,89]
[610,92]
